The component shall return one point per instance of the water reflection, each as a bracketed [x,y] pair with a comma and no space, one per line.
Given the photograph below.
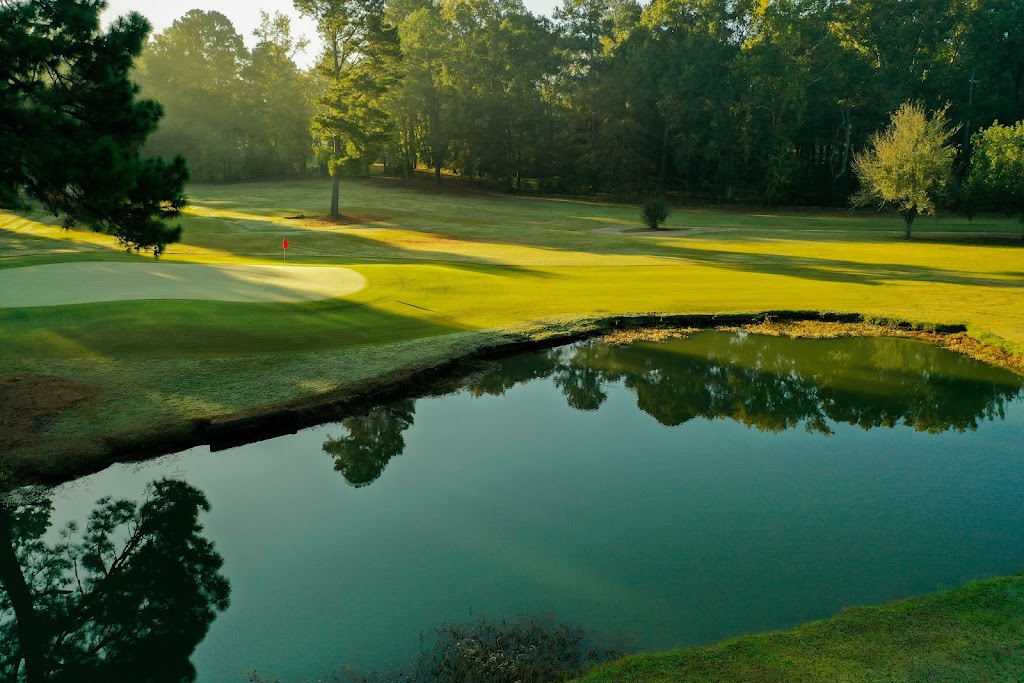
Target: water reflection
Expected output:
[370,442]
[127,597]
[767,383]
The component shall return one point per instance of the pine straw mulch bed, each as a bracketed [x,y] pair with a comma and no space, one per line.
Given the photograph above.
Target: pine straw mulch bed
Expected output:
[27,401]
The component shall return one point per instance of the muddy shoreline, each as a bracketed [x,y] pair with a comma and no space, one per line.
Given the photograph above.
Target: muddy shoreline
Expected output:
[281,419]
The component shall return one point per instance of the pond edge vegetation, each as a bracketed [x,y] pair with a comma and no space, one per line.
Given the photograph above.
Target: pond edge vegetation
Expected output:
[449,374]
[968,633]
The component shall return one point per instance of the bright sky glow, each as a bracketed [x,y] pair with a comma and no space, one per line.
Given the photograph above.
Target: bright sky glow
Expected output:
[245,15]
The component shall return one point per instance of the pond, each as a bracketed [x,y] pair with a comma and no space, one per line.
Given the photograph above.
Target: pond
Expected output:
[659,494]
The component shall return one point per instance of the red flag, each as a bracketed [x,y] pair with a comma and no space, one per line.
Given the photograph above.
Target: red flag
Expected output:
[285,243]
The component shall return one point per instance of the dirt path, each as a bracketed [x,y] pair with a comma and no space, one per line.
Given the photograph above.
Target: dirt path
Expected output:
[87,282]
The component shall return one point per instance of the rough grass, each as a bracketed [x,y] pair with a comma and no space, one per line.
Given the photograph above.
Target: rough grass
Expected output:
[450,272]
[969,635]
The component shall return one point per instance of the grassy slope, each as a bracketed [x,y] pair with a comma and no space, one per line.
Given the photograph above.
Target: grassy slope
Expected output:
[450,272]
[970,634]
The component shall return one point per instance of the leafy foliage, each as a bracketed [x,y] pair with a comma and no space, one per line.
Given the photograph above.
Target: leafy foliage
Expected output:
[522,650]
[996,179]
[356,69]
[908,164]
[710,99]
[71,125]
[653,212]
[233,113]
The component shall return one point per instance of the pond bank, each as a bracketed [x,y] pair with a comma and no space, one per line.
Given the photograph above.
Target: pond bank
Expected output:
[439,365]
[971,633]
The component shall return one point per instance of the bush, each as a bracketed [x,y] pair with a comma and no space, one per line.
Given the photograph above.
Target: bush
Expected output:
[653,213]
[522,650]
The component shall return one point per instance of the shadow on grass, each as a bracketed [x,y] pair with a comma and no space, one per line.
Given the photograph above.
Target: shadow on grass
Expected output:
[838,270]
[261,236]
[19,248]
[559,227]
[198,329]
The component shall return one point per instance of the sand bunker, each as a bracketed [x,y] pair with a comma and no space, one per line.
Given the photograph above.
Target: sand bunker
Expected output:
[85,282]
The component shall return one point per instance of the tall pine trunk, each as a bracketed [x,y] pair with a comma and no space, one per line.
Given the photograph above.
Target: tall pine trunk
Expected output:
[335,193]
[336,181]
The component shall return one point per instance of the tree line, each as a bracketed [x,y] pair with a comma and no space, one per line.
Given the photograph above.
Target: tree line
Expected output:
[705,99]
[234,113]
[709,100]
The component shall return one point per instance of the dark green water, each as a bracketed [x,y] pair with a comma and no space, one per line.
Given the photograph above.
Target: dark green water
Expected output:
[668,494]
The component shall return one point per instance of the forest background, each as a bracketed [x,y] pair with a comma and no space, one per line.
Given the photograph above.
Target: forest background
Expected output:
[702,100]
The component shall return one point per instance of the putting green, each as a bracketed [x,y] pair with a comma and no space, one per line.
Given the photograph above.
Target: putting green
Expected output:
[80,283]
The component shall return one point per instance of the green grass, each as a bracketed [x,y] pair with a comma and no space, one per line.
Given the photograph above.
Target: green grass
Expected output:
[455,271]
[452,271]
[970,634]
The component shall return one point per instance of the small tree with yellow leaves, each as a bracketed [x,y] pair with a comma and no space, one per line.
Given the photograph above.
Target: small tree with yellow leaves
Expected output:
[907,164]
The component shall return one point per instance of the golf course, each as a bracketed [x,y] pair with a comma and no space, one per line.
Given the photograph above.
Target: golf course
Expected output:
[111,355]
[222,327]
[511,341]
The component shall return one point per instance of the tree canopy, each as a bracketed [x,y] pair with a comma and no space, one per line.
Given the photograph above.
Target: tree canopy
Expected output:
[908,164]
[694,99]
[233,113]
[355,71]
[68,107]
[996,179]
[704,100]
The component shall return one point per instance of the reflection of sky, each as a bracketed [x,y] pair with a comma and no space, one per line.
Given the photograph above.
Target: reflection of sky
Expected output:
[244,14]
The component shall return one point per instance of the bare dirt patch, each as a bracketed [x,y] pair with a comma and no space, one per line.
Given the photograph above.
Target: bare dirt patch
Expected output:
[27,401]
[341,220]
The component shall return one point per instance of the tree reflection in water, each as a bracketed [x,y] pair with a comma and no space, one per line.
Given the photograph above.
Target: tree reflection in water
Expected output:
[767,383]
[372,440]
[126,598]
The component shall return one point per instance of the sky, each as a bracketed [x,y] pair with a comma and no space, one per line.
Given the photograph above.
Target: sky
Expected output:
[244,14]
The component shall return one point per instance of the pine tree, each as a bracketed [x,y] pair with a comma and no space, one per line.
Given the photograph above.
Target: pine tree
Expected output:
[71,125]
[356,68]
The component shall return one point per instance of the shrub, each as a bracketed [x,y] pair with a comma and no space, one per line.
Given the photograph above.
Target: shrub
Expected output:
[522,650]
[653,212]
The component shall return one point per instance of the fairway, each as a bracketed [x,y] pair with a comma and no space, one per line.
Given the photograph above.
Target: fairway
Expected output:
[81,283]
[120,350]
